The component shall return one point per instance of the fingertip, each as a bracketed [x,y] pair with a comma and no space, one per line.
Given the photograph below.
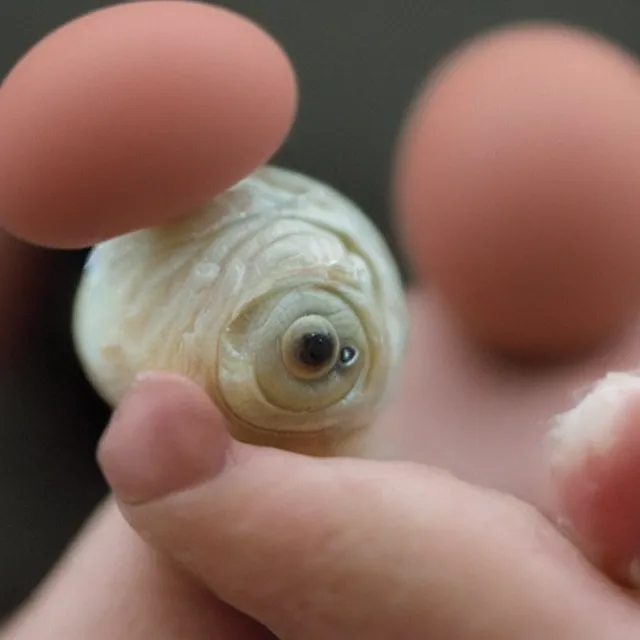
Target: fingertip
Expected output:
[131,115]
[595,469]
[516,193]
[165,436]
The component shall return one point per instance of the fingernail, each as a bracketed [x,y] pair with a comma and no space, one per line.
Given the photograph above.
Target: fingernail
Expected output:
[596,471]
[165,437]
[592,427]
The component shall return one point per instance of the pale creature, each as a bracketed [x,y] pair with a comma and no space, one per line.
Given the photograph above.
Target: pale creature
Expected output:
[279,297]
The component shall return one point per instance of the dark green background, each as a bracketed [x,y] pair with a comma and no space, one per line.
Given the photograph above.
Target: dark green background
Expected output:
[360,62]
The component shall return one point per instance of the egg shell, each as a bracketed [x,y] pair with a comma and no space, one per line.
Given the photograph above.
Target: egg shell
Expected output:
[128,116]
[517,187]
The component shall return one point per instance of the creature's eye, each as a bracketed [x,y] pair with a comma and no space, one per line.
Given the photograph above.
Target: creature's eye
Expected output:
[310,347]
[348,356]
[316,350]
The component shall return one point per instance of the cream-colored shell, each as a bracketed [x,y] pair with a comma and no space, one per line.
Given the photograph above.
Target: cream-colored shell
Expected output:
[212,295]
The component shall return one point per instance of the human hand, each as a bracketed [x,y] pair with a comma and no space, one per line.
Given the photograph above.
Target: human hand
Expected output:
[347,547]
[312,548]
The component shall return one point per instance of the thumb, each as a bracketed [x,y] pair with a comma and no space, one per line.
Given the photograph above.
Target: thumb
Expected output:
[340,548]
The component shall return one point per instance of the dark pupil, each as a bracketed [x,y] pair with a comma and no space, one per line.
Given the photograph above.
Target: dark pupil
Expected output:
[315,349]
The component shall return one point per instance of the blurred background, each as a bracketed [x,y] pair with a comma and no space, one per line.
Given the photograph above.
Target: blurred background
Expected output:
[359,62]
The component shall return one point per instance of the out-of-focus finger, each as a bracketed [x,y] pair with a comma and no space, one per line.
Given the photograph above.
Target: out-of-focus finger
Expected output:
[131,115]
[516,189]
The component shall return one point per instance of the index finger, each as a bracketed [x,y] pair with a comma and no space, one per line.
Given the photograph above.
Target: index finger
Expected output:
[131,115]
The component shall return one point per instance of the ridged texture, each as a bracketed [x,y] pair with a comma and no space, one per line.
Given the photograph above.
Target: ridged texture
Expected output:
[225,296]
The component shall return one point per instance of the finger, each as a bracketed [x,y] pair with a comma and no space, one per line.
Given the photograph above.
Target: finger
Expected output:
[595,464]
[133,114]
[112,585]
[517,201]
[339,548]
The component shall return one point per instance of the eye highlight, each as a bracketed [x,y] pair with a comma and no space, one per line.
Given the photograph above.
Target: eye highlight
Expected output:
[348,356]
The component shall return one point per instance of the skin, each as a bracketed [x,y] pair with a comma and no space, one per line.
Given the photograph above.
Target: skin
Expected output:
[204,535]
